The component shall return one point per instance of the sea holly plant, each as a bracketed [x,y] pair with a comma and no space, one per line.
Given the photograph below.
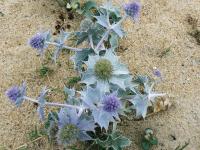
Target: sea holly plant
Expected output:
[105,107]
[105,70]
[108,90]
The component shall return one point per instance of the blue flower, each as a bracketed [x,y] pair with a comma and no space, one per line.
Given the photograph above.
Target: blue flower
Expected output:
[105,108]
[16,94]
[156,72]
[133,10]
[111,103]
[72,127]
[39,40]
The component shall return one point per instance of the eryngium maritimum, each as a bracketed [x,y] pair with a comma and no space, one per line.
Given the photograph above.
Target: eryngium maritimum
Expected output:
[38,41]
[111,103]
[16,94]
[133,10]
[73,127]
[105,108]
[105,70]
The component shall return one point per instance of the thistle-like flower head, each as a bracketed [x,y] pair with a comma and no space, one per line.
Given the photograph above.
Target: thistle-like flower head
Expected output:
[132,9]
[13,93]
[105,70]
[72,127]
[16,94]
[105,108]
[38,41]
[111,103]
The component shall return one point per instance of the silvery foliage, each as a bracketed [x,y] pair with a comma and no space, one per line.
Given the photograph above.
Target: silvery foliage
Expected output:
[41,103]
[108,84]
[145,98]
[118,75]
[72,127]
[103,114]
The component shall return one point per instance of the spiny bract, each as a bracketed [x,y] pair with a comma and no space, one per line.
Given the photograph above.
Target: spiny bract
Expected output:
[73,127]
[105,108]
[106,70]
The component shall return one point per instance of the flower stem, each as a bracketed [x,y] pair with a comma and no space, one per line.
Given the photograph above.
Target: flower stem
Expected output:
[54,104]
[91,41]
[102,39]
[119,22]
[108,32]
[64,46]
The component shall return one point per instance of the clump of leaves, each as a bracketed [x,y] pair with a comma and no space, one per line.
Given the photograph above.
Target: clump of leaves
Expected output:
[73,81]
[112,141]
[196,35]
[69,4]
[192,21]
[195,31]
[148,139]
[44,71]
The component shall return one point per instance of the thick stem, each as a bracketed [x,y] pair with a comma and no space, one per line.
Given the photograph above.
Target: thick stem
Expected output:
[108,32]
[65,46]
[91,41]
[102,39]
[54,104]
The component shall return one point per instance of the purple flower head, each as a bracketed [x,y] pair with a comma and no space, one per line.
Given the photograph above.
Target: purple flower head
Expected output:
[133,10]
[38,41]
[156,72]
[72,127]
[105,108]
[16,94]
[13,93]
[111,103]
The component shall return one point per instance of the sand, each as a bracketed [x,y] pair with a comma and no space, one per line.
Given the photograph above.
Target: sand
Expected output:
[162,25]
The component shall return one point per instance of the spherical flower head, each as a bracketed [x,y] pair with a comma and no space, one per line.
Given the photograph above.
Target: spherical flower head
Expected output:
[111,103]
[68,134]
[16,94]
[103,69]
[156,72]
[37,41]
[133,10]
[13,93]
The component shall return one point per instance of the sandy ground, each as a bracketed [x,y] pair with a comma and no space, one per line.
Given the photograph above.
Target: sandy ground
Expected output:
[163,24]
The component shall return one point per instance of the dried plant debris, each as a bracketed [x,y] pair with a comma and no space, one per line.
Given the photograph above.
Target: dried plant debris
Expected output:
[61,23]
[1,14]
[192,21]
[165,52]
[162,104]
[196,34]
[182,147]
[195,30]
